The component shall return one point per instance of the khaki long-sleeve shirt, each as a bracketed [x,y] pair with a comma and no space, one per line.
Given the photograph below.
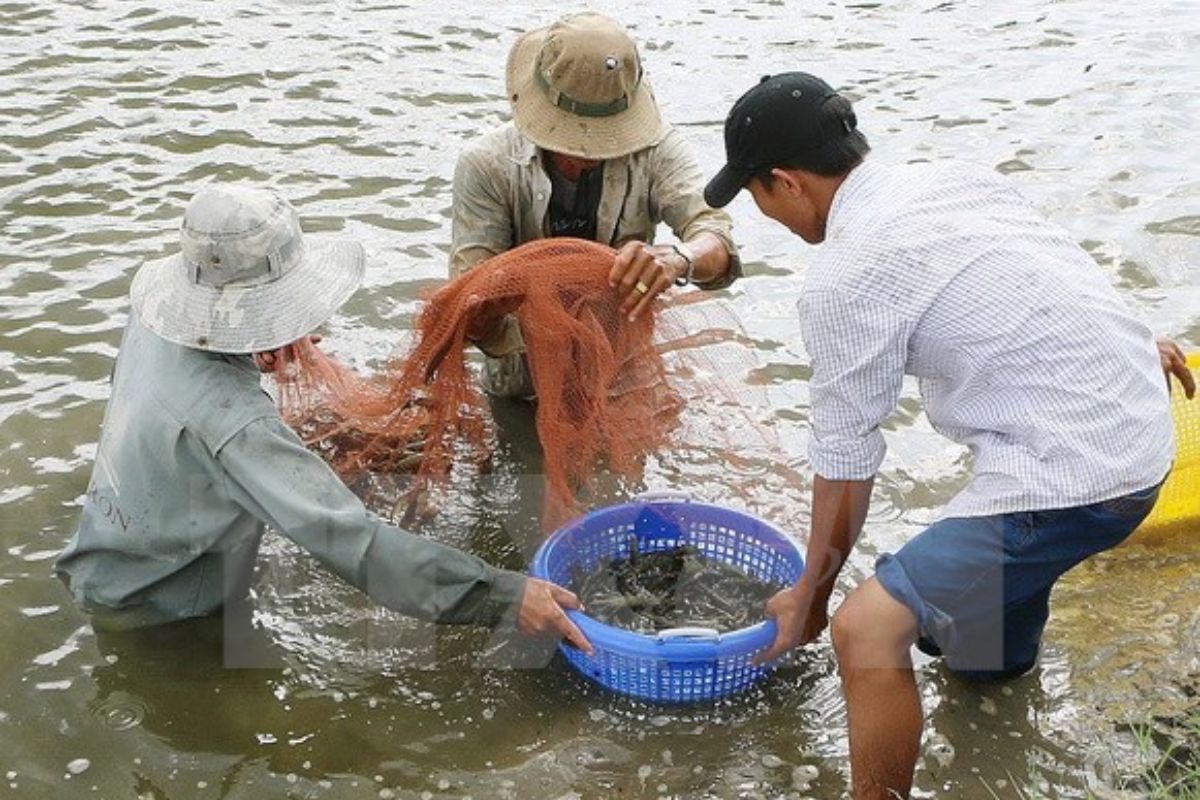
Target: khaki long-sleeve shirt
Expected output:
[193,462]
[502,195]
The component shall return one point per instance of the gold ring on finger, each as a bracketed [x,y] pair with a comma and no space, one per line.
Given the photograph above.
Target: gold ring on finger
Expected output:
[641,287]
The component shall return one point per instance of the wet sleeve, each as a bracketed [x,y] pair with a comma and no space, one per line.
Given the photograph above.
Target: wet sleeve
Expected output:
[273,476]
[481,227]
[481,223]
[858,352]
[677,197]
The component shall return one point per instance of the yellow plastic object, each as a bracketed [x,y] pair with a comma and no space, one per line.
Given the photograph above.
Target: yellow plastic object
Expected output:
[1177,512]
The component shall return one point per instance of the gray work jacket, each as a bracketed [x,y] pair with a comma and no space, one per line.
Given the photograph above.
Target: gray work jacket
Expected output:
[502,197]
[193,461]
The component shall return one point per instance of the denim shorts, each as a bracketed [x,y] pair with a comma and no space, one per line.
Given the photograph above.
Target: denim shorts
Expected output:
[980,586]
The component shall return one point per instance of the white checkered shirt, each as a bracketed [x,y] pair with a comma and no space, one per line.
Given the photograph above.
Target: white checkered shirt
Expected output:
[1022,349]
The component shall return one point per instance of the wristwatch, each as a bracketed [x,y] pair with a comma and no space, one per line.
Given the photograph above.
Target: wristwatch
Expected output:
[689,257]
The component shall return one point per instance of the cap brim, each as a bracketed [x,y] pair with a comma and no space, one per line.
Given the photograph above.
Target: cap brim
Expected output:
[552,128]
[725,185]
[248,319]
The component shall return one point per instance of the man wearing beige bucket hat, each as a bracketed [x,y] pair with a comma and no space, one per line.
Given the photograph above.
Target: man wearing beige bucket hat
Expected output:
[587,155]
[194,460]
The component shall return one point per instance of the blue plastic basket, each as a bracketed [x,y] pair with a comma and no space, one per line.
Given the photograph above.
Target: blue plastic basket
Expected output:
[680,665]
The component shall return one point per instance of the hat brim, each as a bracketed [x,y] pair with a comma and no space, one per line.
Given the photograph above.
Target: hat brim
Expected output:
[726,184]
[248,319]
[552,128]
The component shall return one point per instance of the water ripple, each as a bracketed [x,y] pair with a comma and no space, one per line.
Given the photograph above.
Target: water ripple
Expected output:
[115,113]
[120,711]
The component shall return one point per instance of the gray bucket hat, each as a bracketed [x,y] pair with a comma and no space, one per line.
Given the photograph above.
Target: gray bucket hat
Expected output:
[245,279]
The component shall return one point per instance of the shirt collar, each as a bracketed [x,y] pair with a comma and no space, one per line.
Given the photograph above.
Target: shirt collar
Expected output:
[242,361]
[525,151]
[857,186]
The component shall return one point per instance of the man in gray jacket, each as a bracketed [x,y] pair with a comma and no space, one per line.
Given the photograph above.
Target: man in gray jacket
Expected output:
[588,156]
[194,460]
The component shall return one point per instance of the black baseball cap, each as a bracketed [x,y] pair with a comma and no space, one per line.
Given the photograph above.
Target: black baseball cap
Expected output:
[784,117]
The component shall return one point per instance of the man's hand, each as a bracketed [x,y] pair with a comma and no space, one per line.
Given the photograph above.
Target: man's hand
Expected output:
[542,614]
[1175,363]
[799,615]
[269,360]
[839,508]
[641,272]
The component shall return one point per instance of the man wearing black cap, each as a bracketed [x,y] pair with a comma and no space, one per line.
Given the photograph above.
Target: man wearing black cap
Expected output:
[944,272]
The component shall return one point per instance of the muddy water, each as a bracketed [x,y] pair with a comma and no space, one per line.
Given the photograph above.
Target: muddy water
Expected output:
[112,113]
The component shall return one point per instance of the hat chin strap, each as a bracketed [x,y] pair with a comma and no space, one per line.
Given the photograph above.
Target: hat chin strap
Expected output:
[581,108]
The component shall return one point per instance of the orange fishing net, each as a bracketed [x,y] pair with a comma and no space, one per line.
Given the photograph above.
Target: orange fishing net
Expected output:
[603,398]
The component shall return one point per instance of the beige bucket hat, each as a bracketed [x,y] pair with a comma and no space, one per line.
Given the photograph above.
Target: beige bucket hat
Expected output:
[577,88]
[245,280]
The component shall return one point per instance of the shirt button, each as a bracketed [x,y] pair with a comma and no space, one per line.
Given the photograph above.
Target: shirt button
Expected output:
[541,196]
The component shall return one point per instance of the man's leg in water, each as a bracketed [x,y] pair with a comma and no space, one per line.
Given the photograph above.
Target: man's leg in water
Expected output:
[872,636]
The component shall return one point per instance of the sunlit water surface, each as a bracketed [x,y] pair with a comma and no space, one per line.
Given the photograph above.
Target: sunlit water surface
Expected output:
[113,113]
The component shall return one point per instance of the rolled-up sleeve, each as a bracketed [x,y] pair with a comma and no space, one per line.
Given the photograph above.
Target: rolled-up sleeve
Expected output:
[858,352]
[274,477]
[677,196]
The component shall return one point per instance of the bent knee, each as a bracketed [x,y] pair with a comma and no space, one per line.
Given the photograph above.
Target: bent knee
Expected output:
[872,629]
[853,630]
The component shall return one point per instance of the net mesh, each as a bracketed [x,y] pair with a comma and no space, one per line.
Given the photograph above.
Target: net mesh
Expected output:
[603,394]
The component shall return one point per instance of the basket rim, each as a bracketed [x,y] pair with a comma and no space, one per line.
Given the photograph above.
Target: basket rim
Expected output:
[610,638]
[605,637]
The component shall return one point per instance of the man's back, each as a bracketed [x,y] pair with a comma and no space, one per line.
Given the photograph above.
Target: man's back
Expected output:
[1023,349]
[157,518]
